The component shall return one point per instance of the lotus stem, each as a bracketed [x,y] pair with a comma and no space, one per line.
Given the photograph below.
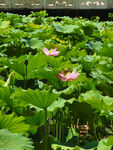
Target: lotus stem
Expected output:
[46,130]
[72,132]
[60,133]
[24,82]
[49,128]
[25,77]
[95,132]
[77,124]
[60,128]
[57,125]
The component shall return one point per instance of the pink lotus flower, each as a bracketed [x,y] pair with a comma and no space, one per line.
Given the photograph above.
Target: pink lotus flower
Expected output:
[51,52]
[103,28]
[67,76]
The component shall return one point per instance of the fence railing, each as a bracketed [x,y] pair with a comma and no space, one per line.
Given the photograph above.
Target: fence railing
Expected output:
[56,4]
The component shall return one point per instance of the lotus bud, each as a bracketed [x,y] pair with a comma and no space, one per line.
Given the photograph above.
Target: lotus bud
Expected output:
[26,62]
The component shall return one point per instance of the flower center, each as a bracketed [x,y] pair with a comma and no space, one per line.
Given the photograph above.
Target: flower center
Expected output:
[50,51]
[68,73]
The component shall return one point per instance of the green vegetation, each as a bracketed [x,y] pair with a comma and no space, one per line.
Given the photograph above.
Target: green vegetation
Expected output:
[56,83]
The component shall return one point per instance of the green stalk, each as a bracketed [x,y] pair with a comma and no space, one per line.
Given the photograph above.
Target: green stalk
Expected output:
[46,130]
[77,123]
[72,132]
[13,80]
[60,133]
[69,41]
[49,128]
[95,132]
[63,134]
[57,125]
[25,77]
[57,129]
[112,125]
[24,82]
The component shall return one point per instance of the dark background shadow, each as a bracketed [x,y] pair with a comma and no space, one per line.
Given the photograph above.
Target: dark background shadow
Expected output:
[103,14]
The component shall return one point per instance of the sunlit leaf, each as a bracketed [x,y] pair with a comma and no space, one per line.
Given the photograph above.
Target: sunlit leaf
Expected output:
[13,123]
[65,28]
[34,43]
[14,141]
[40,99]
[19,66]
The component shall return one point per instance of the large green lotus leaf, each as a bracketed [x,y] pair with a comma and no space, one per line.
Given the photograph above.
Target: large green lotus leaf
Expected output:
[109,141]
[104,66]
[61,147]
[65,28]
[34,43]
[67,91]
[50,76]
[17,34]
[97,101]
[107,50]
[107,113]
[36,119]
[4,24]
[14,141]
[87,62]
[13,123]
[88,28]
[103,145]
[93,98]
[15,64]
[40,99]
[59,63]
[108,101]
[55,62]
[107,34]
[100,77]
[82,110]
[18,64]
[6,97]
[95,45]
[60,103]
[91,144]
[109,75]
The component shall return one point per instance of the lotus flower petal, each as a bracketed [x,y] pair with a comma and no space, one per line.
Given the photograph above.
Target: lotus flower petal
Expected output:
[46,51]
[68,76]
[51,52]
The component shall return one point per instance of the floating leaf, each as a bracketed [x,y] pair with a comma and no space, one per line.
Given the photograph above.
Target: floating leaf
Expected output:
[65,28]
[34,43]
[107,50]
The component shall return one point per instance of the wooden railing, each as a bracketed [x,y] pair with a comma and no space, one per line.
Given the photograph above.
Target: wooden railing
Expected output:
[56,4]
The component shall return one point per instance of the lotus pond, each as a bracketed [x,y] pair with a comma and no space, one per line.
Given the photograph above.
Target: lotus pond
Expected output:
[56,83]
